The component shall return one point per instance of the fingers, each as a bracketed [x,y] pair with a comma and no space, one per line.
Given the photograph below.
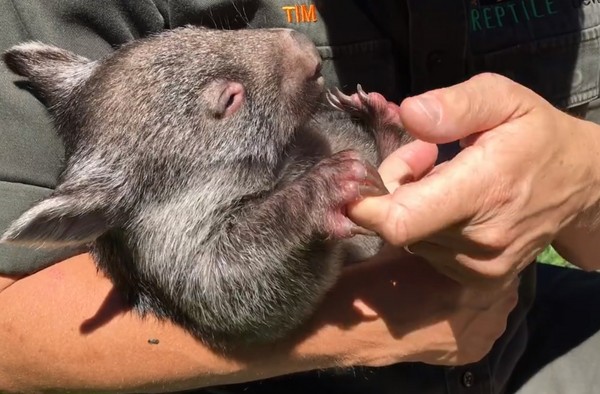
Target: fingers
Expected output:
[410,162]
[479,104]
[455,193]
[417,210]
[463,268]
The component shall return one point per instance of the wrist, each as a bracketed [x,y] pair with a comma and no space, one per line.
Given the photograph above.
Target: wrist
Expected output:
[579,234]
[584,139]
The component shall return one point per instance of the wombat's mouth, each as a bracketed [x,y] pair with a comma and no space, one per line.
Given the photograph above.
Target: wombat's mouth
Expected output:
[317,76]
[317,73]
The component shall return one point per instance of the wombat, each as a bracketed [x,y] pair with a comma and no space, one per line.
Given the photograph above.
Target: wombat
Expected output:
[207,175]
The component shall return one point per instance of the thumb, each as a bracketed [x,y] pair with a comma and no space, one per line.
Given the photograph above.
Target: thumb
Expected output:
[479,104]
[408,163]
[419,209]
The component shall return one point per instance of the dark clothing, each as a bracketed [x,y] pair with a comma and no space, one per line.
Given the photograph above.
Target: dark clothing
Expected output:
[397,48]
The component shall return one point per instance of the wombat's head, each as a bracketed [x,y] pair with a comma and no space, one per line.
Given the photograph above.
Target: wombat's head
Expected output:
[158,114]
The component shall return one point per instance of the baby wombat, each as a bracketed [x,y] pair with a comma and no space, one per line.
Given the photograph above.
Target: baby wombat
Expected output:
[207,176]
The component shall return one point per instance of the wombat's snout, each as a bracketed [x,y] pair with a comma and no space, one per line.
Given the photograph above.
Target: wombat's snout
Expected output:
[304,43]
[303,55]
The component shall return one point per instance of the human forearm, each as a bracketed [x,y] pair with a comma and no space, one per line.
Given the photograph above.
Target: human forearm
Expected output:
[63,329]
[54,335]
[6,281]
[579,240]
[579,246]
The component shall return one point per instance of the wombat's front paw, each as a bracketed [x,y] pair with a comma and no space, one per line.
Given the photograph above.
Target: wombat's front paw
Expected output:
[370,107]
[341,179]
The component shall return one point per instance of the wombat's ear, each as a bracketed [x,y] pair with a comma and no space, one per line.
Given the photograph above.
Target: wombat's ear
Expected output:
[60,220]
[52,71]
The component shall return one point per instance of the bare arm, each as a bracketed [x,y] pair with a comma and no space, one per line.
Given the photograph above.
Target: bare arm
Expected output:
[68,329]
[579,241]
[63,328]
[6,281]
[579,245]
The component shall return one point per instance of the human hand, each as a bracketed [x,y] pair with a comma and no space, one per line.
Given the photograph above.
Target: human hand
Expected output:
[404,310]
[523,175]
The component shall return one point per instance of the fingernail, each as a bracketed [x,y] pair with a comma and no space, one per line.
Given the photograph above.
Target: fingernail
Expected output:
[431,107]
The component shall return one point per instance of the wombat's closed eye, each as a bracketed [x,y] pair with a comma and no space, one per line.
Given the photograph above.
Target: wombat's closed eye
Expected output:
[205,175]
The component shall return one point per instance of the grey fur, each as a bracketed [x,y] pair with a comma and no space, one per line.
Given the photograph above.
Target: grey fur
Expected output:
[230,224]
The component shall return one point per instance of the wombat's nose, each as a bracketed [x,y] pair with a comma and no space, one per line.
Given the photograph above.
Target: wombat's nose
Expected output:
[303,41]
[307,55]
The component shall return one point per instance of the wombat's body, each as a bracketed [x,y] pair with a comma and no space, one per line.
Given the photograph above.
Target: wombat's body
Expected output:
[206,176]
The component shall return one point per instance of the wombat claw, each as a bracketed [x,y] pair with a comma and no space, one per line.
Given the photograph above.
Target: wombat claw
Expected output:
[374,185]
[356,104]
[333,98]
[363,95]
[357,230]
